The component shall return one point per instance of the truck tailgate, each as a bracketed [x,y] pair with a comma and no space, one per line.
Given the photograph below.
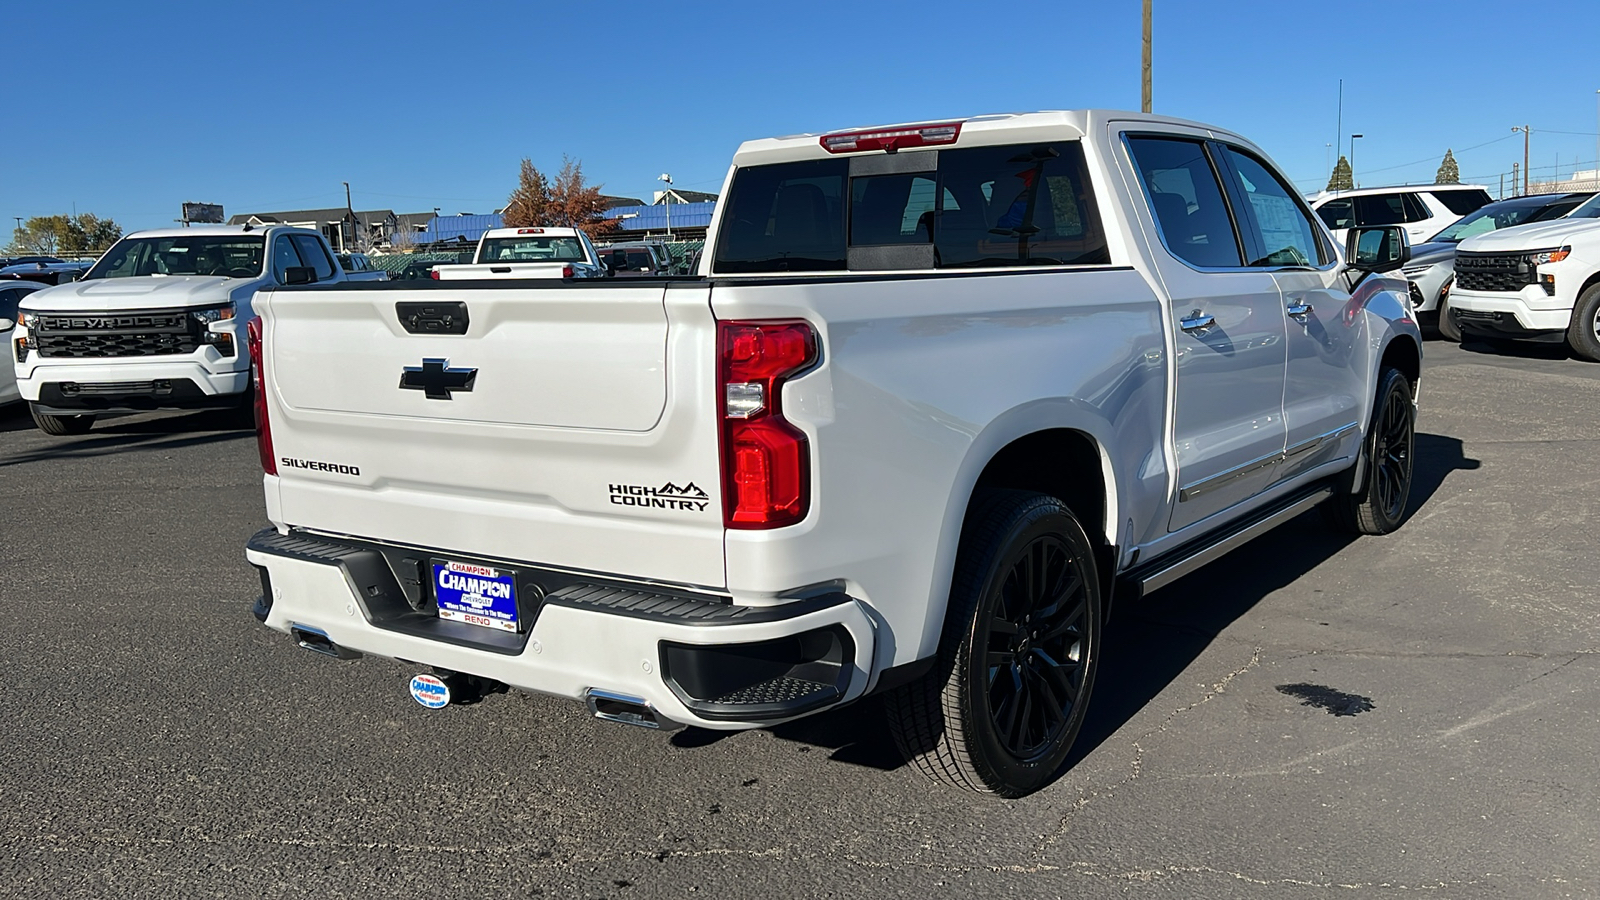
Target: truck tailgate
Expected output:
[544,433]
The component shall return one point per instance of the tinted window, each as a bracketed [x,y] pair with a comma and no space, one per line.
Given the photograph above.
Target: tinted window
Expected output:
[1015,205]
[1380,209]
[1187,200]
[283,256]
[563,248]
[1416,210]
[312,254]
[891,209]
[1462,202]
[235,256]
[1284,234]
[1337,214]
[785,218]
[8,303]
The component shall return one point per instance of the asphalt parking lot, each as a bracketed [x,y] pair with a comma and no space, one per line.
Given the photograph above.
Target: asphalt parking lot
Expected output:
[1311,716]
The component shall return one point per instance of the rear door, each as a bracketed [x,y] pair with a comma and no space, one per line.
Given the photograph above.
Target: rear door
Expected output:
[1229,330]
[567,424]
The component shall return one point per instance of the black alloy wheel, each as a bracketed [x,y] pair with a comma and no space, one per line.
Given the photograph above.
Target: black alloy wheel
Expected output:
[999,712]
[1377,505]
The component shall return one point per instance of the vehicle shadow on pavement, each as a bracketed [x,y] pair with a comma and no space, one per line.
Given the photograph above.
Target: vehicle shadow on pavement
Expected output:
[138,435]
[1511,349]
[1150,643]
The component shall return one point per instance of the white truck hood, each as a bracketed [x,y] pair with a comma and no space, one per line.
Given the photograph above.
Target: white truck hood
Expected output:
[144,292]
[1538,236]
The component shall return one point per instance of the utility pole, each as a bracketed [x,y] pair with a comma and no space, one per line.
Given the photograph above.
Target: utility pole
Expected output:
[1526,130]
[1144,94]
[1514,177]
[1502,187]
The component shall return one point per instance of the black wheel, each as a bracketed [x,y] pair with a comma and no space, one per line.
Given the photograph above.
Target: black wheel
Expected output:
[60,425]
[1448,328]
[1021,642]
[1583,334]
[1378,504]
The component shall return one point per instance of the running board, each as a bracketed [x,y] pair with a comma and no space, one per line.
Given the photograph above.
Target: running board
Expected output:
[1158,573]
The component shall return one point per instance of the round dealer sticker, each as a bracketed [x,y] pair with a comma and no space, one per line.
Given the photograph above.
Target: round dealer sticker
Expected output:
[430,691]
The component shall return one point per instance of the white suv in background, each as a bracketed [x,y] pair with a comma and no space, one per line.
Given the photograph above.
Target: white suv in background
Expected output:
[1424,209]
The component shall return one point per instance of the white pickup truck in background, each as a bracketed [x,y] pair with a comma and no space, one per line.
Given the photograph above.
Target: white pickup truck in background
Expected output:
[937,390]
[528,253]
[157,323]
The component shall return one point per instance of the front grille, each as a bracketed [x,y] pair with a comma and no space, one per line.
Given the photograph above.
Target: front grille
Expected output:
[160,332]
[1494,272]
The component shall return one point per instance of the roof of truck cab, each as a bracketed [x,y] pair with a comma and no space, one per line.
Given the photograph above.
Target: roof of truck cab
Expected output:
[547,230]
[198,230]
[994,128]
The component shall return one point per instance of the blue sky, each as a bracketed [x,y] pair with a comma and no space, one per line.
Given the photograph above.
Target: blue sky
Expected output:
[127,110]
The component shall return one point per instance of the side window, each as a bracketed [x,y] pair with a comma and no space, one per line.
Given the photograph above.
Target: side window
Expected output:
[8,303]
[283,256]
[1462,202]
[1186,200]
[1022,204]
[1416,210]
[787,217]
[1337,214]
[1283,232]
[313,255]
[1380,209]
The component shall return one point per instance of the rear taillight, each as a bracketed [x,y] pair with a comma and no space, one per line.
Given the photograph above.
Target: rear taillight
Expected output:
[566,271]
[766,464]
[258,391]
[434,274]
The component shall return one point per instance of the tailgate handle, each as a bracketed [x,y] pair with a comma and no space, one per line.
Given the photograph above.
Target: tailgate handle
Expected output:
[500,270]
[432,318]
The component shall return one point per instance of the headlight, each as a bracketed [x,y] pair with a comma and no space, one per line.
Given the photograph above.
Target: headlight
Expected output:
[214,314]
[1410,271]
[1540,257]
[27,318]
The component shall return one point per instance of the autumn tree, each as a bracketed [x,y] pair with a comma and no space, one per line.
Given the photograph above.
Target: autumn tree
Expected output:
[568,201]
[1448,172]
[69,235]
[1341,179]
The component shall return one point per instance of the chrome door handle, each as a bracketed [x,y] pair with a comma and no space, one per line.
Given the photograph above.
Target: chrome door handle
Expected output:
[1298,308]
[1197,321]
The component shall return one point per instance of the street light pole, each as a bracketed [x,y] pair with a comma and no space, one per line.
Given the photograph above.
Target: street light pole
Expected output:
[667,199]
[1526,130]
[1353,138]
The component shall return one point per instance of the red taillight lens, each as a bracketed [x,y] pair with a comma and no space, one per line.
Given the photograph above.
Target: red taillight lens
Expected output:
[434,274]
[891,138]
[258,391]
[566,271]
[766,463]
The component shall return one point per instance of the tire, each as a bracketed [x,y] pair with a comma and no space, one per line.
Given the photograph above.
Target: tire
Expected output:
[1378,504]
[1448,329]
[1583,334]
[1025,589]
[60,425]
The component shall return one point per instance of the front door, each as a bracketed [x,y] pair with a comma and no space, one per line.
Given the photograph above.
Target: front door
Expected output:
[1324,388]
[1229,330]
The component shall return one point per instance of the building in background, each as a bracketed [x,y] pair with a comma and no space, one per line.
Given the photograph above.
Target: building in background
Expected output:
[367,231]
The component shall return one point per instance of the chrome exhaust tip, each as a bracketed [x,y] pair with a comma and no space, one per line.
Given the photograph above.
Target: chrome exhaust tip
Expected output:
[626,710]
[317,641]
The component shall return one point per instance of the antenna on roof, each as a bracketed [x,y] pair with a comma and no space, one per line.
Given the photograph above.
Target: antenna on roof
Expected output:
[247,226]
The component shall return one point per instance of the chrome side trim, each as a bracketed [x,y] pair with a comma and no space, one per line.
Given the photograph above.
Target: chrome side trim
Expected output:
[1226,478]
[1171,572]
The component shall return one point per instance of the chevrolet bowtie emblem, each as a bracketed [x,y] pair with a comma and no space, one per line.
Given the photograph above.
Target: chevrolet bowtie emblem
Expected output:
[436,379]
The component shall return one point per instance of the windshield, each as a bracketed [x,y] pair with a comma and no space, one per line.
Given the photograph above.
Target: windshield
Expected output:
[1589,210]
[228,255]
[1491,218]
[531,249]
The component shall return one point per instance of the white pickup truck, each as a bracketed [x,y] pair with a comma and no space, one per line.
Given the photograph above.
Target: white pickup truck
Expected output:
[157,323]
[528,253]
[941,392]
[1535,282]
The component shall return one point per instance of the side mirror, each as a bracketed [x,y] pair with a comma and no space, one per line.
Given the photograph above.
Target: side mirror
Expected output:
[1377,248]
[7,324]
[299,275]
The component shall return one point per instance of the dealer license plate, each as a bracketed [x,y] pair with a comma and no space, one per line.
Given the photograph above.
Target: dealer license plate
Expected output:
[476,595]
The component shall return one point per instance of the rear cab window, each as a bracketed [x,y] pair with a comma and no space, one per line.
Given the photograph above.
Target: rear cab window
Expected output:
[1463,202]
[1012,205]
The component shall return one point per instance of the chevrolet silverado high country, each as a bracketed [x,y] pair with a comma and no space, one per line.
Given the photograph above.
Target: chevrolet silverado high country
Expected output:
[940,393]
[520,253]
[1539,282]
[157,323]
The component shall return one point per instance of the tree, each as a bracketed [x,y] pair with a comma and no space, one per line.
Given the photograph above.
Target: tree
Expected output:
[70,235]
[568,201]
[527,205]
[1448,172]
[1341,179]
